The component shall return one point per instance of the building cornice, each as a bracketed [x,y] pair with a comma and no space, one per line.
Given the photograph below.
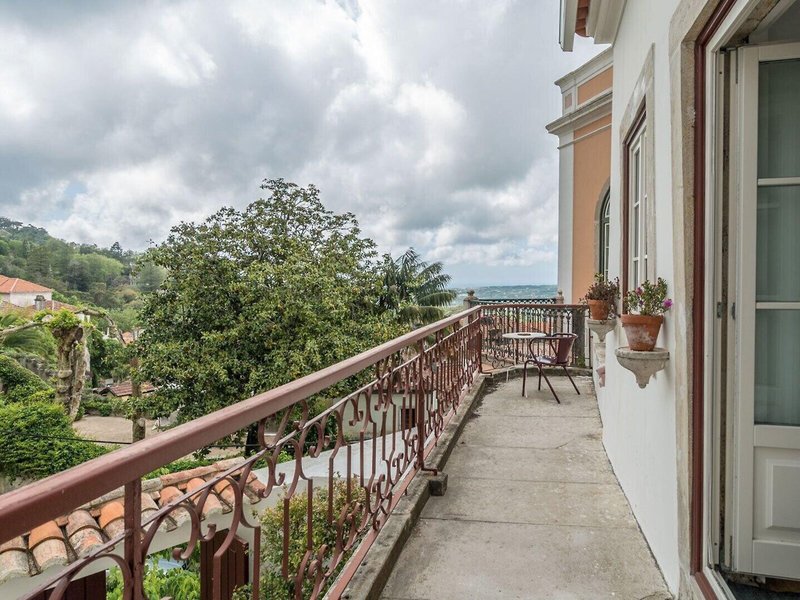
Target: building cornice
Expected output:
[589,111]
[587,70]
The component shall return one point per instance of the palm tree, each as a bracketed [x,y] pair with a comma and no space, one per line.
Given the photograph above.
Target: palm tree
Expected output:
[27,336]
[415,291]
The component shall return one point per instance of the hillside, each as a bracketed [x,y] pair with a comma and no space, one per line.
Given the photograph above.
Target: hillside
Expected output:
[78,273]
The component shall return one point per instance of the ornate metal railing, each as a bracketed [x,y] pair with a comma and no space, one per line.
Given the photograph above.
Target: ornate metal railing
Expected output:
[390,405]
[497,319]
[473,301]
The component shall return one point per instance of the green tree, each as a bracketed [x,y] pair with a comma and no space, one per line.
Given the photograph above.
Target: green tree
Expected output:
[39,261]
[257,298]
[116,251]
[109,358]
[414,291]
[150,276]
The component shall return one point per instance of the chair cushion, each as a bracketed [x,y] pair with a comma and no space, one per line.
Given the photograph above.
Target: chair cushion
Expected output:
[546,360]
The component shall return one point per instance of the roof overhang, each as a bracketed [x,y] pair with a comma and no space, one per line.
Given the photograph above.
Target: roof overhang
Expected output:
[597,19]
[568,14]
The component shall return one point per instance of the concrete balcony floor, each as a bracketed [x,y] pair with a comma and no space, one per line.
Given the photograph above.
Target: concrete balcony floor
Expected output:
[532,509]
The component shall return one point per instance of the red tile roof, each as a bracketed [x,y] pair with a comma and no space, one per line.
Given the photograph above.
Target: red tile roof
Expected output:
[73,536]
[125,388]
[10,285]
[31,310]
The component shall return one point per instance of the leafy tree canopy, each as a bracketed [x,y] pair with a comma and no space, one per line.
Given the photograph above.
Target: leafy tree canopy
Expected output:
[257,298]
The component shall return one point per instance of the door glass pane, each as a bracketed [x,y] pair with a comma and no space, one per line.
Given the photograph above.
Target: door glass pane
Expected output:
[778,244]
[777,376]
[779,119]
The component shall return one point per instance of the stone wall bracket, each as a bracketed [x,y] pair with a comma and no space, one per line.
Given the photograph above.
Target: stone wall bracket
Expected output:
[642,364]
[602,327]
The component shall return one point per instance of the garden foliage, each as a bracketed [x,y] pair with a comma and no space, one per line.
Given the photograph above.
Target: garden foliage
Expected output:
[272,584]
[183,584]
[37,440]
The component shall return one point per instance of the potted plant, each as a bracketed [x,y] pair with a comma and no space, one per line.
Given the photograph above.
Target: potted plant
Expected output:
[646,307]
[602,297]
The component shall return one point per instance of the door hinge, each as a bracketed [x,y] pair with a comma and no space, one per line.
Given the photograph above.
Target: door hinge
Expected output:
[733,310]
[720,310]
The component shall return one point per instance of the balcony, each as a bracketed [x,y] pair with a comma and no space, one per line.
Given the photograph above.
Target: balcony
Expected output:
[532,509]
[532,505]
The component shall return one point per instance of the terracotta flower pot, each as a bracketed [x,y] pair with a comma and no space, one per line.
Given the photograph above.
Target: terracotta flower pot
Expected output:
[598,310]
[642,331]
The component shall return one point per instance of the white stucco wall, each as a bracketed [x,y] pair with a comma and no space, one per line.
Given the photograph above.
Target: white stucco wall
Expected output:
[25,299]
[639,425]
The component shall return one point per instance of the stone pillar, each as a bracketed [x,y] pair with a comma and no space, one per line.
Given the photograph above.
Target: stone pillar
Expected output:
[470,300]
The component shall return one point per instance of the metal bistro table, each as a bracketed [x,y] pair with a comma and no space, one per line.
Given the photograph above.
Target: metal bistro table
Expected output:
[529,336]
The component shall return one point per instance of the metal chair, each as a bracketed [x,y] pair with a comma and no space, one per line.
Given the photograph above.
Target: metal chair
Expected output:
[561,347]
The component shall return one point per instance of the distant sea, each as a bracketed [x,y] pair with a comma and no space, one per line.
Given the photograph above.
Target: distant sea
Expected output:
[515,292]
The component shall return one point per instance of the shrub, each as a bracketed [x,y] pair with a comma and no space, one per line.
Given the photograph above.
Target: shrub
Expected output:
[13,375]
[273,585]
[97,405]
[174,583]
[62,320]
[37,440]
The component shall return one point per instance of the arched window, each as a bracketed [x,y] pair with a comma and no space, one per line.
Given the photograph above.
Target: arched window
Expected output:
[605,227]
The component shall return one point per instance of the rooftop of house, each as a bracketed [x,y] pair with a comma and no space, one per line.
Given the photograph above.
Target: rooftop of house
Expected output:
[125,388]
[15,285]
[29,311]
[75,535]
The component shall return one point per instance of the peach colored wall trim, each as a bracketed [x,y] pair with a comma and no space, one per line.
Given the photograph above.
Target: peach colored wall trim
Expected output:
[591,127]
[599,83]
[592,166]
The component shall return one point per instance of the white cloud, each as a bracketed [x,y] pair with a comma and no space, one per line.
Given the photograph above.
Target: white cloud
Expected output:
[425,119]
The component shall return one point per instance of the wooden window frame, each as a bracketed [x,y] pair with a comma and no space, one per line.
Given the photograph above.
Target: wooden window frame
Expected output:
[604,235]
[633,134]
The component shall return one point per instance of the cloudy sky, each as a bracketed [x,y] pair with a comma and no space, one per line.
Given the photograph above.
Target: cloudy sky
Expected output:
[424,118]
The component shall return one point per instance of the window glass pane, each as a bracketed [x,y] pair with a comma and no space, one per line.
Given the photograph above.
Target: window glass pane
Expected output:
[777,378]
[605,219]
[778,244]
[779,119]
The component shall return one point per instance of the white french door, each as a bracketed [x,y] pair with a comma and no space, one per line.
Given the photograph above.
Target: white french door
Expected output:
[766,454]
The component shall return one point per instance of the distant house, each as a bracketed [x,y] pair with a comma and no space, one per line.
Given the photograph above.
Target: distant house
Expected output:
[28,298]
[124,389]
[22,293]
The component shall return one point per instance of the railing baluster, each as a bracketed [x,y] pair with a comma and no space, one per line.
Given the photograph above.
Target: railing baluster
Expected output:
[420,414]
[498,317]
[133,538]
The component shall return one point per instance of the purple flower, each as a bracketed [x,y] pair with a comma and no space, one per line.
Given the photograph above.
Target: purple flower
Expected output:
[639,291]
[667,304]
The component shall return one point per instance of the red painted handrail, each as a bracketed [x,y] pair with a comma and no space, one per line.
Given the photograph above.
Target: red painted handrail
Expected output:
[50,498]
